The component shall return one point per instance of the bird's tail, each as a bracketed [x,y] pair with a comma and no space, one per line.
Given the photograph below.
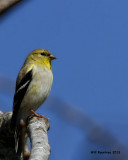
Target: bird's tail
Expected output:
[18,126]
[15,128]
[13,122]
[16,136]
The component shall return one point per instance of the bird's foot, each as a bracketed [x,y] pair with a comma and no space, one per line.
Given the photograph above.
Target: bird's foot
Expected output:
[37,115]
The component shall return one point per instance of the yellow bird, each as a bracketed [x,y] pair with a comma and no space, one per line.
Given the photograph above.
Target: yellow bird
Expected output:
[33,85]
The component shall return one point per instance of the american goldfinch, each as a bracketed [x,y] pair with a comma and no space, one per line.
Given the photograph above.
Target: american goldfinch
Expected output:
[33,85]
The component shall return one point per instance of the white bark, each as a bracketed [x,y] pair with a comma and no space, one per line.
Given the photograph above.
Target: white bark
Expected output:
[37,129]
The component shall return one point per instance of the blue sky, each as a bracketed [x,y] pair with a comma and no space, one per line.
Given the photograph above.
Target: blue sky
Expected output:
[90,38]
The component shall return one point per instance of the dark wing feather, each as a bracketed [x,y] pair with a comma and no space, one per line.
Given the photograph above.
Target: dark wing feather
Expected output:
[19,95]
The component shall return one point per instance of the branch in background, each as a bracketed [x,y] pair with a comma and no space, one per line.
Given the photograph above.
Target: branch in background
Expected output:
[92,130]
[5,4]
[37,129]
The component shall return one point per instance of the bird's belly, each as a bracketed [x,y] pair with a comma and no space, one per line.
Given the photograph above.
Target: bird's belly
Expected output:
[37,92]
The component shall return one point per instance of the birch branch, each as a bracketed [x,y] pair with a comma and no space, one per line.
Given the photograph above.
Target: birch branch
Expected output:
[37,131]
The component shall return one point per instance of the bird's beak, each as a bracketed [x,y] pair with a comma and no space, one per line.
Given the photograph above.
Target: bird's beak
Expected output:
[52,57]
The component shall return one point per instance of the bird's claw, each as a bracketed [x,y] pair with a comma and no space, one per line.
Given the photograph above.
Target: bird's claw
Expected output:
[37,115]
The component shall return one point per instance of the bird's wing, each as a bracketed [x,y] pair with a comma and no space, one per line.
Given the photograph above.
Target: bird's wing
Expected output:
[21,89]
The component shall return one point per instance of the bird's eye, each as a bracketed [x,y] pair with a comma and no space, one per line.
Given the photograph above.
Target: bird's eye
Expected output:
[43,54]
[48,54]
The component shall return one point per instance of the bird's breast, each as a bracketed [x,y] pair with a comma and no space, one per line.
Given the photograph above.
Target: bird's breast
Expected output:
[41,85]
[38,89]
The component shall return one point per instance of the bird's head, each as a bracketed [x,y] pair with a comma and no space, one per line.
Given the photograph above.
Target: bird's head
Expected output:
[41,57]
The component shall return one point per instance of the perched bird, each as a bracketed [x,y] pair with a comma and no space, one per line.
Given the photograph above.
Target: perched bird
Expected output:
[33,85]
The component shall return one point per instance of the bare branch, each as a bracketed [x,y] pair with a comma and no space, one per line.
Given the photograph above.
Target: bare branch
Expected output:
[5,4]
[37,129]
